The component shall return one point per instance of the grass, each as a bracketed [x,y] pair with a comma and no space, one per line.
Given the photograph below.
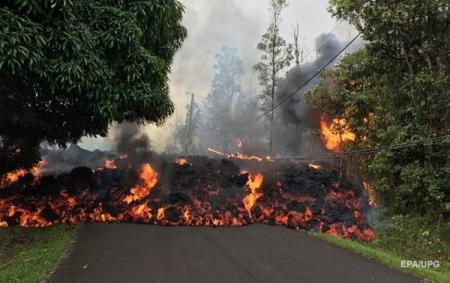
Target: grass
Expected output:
[30,254]
[405,238]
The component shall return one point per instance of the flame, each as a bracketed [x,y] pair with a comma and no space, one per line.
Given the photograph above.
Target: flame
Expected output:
[160,213]
[181,161]
[141,212]
[254,183]
[149,178]
[239,143]
[240,156]
[370,192]
[37,169]
[14,176]
[109,164]
[314,166]
[335,134]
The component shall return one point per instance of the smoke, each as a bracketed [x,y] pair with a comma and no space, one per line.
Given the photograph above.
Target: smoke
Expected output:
[64,160]
[297,133]
[295,110]
[212,24]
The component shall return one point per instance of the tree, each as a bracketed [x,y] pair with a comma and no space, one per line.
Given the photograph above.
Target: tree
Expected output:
[218,120]
[298,50]
[396,90]
[277,55]
[70,68]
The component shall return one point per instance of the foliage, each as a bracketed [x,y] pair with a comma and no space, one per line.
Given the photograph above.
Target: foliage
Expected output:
[276,56]
[406,238]
[414,238]
[70,68]
[396,90]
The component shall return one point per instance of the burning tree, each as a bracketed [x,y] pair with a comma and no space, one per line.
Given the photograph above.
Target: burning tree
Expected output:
[396,90]
[70,68]
[277,55]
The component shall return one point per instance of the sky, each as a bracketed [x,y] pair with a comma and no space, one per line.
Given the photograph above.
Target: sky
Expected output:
[239,24]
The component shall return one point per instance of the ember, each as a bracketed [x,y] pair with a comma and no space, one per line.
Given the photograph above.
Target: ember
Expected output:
[196,191]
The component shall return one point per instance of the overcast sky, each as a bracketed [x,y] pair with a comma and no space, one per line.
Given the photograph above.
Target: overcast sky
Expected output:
[212,24]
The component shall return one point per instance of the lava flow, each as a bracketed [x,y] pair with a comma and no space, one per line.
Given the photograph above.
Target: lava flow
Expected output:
[192,191]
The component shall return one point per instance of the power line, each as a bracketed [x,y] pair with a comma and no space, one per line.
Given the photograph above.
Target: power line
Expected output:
[305,83]
[370,150]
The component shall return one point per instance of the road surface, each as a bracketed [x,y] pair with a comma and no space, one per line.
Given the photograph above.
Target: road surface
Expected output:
[257,253]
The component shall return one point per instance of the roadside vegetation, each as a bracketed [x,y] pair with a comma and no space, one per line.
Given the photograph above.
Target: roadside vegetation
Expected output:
[396,90]
[30,254]
[400,238]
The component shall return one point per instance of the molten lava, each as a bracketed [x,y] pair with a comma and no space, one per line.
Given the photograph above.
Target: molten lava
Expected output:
[205,192]
[335,134]
[240,156]
[14,176]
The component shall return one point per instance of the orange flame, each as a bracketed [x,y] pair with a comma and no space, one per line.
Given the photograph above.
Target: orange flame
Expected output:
[109,164]
[12,177]
[370,192]
[253,183]
[181,161]
[314,166]
[149,178]
[335,134]
[240,156]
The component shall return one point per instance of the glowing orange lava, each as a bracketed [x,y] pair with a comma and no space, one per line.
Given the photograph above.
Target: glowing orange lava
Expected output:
[240,156]
[12,177]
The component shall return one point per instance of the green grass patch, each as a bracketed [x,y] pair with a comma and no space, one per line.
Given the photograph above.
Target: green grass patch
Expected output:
[405,238]
[30,254]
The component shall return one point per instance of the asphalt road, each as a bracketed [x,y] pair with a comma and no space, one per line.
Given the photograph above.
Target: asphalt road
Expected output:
[256,253]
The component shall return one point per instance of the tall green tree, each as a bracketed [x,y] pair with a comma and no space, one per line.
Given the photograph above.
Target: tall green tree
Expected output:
[218,117]
[70,68]
[397,90]
[276,57]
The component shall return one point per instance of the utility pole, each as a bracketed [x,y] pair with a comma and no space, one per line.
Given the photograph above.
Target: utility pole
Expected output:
[296,47]
[189,125]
